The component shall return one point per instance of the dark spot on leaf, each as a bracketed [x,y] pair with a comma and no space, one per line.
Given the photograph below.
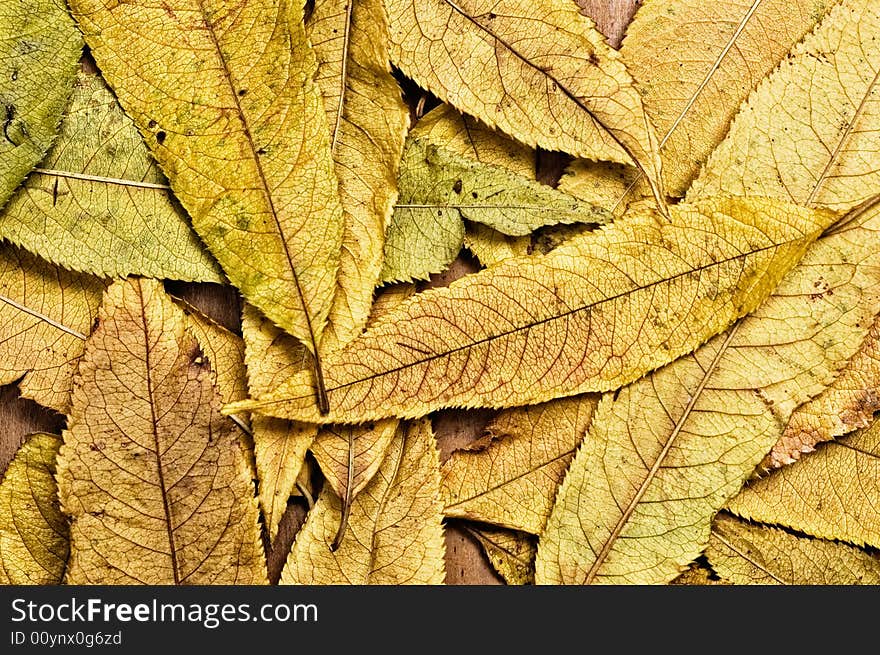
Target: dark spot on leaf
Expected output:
[474,194]
[242,92]
[14,74]
[10,114]
[160,137]
[593,59]
[152,125]
[457,186]
[262,151]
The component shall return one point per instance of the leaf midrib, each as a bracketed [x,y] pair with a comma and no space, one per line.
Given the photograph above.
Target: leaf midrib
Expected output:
[264,183]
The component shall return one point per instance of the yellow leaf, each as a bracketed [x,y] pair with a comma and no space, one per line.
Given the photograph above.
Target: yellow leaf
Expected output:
[40,49]
[368,122]
[349,456]
[540,72]
[99,203]
[593,315]
[46,314]
[809,132]
[612,186]
[745,554]
[280,449]
[395,525]
[490,246]
[510,478]
[152,476]
[697,574]
[832,493]
[225,98]
[664,454]
[511,553]
[33,531]
[695,62]
[847,404]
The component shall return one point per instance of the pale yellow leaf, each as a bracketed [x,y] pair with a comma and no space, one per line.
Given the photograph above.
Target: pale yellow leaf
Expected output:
[99,203]
[592,315]
[511,553]
[664,454]
[832,493]
[33,531]
[395,533]
[510,478]
[46,314]
[40,49]
[280,449]
[349,456]
[225,97]
[368,122]
[849,403]
[809,132]
[697,575]
[541,73]
[490,246]
[695,62]
[612,186]
[746,554]
[151,474]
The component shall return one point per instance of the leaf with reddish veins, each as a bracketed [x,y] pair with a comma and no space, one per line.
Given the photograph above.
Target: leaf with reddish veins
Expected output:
[594,314]
[510,478]
[151,474]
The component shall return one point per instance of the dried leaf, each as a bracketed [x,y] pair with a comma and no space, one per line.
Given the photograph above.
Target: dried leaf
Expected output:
[612,186]
[511,553]
[46,314]
[664,454]
[368,122]
[832,493]
[395,525]
[746,554]
[33,531]
[99,203]
[152,475]
[225,98]
[40,49]
[809,132]
[697,574]
[694,63]
[510,479]
[490,246]
[349,456]
[455,168]
[592,315]
[847,404]
[547,77]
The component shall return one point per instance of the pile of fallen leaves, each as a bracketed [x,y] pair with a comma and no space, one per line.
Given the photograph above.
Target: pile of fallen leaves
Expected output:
[680,337]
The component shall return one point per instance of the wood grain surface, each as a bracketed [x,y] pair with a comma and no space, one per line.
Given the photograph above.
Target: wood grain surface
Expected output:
[466,563]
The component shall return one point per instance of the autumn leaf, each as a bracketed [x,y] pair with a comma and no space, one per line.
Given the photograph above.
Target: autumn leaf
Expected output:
[534,328]
[46,314]
[510,478]
[455,169]
[547,77]
[350,457]
[743,553]
[612,186]
[511,553]
[225,98]
[33,532]
[99,204]
[664,454]
[490,246]
[368,122]
[40,49]
[152,476]
[395,524]
[847,404]
[832,493]
[808,133]
[691,92]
